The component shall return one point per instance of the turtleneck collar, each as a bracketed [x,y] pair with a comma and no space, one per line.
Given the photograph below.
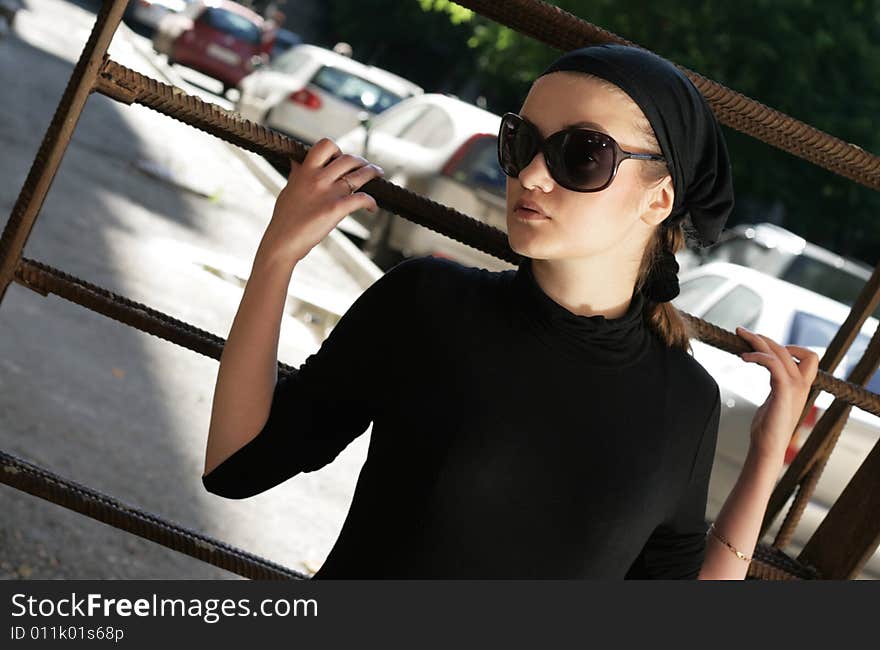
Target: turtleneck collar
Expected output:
[596,340]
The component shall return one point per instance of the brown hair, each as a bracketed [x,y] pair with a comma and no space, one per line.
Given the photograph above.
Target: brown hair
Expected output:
[662,317]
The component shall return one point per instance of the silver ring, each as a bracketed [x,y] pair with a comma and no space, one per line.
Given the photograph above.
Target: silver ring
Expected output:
[350,186]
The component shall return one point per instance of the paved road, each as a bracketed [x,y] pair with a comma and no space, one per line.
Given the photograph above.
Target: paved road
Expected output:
[104,404]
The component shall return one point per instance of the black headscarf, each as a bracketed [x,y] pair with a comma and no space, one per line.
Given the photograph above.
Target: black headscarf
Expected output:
[689,135]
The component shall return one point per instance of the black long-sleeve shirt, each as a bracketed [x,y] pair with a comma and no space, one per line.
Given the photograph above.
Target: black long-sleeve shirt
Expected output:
[511,437]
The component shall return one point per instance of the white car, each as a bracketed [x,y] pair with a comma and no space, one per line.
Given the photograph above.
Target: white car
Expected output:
[729,295]
[310,93]
[786,255]
[444,149]
[151,12]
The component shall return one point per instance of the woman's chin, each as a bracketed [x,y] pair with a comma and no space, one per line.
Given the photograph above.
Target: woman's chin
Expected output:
[522,244]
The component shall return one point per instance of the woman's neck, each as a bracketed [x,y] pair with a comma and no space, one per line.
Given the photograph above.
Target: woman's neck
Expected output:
[586,286]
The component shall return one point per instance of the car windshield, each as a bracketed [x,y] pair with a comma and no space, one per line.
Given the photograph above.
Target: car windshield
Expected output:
[809,330]
[233,24]
[803,270]
[480,166]
[355,90]
[823,278]
[747,252]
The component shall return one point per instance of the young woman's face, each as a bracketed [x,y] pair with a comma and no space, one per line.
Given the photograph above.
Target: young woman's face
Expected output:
[579,224]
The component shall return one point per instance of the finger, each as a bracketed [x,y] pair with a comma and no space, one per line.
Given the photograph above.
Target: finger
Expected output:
[364,174]
[361,176]
[772,363]
[765,344]
[357,201]
[809,361]
[322,152]
[783,353]
[344,165]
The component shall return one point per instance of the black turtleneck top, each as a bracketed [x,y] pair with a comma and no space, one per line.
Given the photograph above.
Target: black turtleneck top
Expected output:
[511,437]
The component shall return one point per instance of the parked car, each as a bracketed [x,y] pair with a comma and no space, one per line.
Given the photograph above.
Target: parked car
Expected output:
[729,295]
[310,92]
[219,38]
[444,149]
[781,253]
[149,13]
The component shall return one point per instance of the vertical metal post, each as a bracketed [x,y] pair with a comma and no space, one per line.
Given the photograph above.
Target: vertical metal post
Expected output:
[48,159]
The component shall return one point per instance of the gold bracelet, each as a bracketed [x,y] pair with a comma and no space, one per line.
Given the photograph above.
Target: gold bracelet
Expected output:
[728,544]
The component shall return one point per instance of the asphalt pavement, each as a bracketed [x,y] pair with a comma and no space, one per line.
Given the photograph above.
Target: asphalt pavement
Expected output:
[168,216]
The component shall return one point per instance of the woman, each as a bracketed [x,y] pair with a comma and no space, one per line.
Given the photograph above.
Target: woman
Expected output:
[546,422]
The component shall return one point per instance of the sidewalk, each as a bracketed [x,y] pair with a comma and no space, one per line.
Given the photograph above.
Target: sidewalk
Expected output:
[107,405]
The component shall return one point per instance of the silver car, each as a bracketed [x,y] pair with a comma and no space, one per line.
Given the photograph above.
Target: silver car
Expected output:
[444,149]
[729,295]
[310,93]
[151,12]
[785,255]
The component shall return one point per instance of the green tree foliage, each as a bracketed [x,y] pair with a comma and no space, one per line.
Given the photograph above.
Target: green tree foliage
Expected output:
[818,61]
[398,35]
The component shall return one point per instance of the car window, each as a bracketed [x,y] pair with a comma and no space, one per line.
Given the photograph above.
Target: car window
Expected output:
[738,307]
[693,292]
[232,24]
[479,166]
[818,276]
[803,270]
[809,330]
[855,353]
[433,129]
[747,252]
[399,120]
[354,89]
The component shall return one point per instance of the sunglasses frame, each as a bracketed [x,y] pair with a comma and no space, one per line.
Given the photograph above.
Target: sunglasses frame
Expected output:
[552,151]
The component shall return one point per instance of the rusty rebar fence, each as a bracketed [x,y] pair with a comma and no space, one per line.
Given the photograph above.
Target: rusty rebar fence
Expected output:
[95,71]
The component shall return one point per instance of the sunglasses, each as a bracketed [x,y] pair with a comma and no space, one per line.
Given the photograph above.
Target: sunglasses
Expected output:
[578,159]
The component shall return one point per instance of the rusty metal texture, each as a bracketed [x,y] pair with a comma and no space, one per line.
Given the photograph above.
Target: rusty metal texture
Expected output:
[229,126]
[806,469]
[728,341]
[45,279]
[854,518]
[565,31]
[95,71]
[54,145]
[40,482]
[126,85]
[769,563]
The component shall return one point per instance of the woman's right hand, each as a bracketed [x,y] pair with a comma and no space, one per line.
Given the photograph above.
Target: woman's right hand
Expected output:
[316,198]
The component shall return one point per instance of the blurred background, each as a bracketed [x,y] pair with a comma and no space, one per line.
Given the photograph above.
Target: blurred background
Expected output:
[171,217]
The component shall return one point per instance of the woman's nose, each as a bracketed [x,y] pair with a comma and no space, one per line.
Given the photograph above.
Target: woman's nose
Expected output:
[536,174]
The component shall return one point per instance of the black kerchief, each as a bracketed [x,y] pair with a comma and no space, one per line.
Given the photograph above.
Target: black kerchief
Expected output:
[686,128]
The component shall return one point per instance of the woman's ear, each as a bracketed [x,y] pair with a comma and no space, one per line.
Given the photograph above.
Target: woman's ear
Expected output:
[661,198]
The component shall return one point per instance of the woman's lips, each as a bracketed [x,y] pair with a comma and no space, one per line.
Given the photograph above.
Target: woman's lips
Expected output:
[529,215]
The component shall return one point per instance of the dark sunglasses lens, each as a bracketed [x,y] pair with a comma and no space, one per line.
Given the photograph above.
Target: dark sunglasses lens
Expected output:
[516,146]
[587,159]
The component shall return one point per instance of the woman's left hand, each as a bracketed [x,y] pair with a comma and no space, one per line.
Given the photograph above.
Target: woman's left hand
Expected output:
[790,382]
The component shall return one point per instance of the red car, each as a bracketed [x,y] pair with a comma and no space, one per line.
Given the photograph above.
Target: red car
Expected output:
[219,38]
